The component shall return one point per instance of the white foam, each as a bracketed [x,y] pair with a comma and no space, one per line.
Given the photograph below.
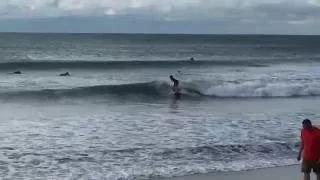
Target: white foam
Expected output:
[259,88]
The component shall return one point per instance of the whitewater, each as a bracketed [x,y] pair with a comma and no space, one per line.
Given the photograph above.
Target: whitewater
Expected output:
[115,117]
[233,83]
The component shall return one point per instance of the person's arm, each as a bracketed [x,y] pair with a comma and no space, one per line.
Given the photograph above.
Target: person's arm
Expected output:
[173,79]
[301,149]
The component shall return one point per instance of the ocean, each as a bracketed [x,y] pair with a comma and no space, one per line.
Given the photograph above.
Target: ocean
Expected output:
[116,118]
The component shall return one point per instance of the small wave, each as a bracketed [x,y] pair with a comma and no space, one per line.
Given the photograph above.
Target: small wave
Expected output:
[119,64]
[211,158]
[234,151]
[149,89]
[217,152]
[263,89]
[162,90]
[83,64]
[155,162]
[182,161]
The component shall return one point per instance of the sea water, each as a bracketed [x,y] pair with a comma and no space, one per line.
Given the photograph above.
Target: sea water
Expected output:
[115,117]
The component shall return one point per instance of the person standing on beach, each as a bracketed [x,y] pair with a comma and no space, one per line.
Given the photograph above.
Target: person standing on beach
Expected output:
[309,149]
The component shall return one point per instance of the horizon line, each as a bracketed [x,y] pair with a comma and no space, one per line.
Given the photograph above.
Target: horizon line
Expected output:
[150,33]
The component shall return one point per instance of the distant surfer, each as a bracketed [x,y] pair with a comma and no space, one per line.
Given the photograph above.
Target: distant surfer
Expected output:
[175,87]
[16,72]
[65,74]
[192,59]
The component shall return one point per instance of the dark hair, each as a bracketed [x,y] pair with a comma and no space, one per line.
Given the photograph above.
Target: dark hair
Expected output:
[306,121]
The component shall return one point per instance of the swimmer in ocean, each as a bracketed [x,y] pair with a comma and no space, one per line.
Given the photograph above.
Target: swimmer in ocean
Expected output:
[65,74]
[17,72]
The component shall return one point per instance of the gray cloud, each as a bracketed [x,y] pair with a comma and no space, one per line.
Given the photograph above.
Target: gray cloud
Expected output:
[171,14]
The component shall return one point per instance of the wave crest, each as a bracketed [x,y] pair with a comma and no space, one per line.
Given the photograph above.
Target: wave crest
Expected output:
[161,90]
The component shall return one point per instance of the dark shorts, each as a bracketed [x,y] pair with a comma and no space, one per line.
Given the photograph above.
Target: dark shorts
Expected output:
[308,165]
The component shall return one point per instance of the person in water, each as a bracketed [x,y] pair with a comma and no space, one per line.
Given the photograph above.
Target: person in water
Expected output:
[17,72]
[175,87]
[65,74]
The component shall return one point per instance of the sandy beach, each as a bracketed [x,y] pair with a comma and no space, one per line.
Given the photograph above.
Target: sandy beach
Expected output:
[279,173]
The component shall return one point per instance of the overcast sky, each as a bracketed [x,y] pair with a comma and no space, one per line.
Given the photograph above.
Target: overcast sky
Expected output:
[162,16]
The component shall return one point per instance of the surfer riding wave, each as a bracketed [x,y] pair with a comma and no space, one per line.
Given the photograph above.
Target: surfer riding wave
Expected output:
[175,87]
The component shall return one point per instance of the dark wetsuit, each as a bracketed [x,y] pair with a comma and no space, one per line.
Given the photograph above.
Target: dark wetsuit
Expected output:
[65,74]
[175,87]
[17,72]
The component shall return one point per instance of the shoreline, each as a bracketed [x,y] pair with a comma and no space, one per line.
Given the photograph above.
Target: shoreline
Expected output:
[291,172]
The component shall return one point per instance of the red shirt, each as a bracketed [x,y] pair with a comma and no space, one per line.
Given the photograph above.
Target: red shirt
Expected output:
[311,144]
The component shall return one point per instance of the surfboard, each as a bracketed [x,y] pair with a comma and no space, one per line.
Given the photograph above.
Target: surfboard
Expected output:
[177,95]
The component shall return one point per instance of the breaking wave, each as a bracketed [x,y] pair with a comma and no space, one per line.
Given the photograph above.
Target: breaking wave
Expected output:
[161,89]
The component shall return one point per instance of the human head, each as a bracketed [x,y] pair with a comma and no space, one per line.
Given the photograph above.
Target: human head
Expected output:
[306,124]
[171,76]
